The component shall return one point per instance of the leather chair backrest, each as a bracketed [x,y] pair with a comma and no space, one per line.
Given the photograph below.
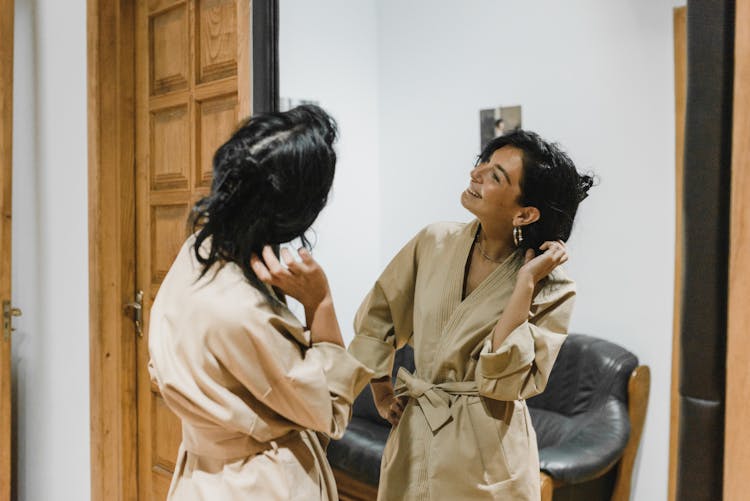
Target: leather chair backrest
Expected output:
[588,372]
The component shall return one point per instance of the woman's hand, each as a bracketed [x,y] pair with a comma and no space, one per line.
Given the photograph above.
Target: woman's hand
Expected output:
[389,406]
[398,405]
[535,268]
[303,280]
[307,283]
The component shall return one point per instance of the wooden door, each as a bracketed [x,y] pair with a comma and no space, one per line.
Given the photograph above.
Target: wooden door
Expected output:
[6,182]
[192,71]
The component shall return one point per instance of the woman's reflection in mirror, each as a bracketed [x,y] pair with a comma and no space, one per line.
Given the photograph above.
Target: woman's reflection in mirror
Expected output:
[486,307]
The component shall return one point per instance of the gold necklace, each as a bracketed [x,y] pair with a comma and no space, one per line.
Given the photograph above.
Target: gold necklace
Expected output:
[481,251]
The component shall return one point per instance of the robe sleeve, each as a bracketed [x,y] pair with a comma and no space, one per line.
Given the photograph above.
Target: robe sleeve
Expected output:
[312,387]
[384,321]
[521,365]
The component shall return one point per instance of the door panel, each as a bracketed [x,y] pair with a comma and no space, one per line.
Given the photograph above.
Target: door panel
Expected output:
[188,97]
[170,151]
[215,119]
[169,49]
[216,37]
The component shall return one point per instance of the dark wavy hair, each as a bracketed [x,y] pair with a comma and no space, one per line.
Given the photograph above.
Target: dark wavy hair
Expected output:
[271,179]
[550,182]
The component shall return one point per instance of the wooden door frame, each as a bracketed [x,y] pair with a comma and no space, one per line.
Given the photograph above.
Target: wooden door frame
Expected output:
[736,432]
[7,447]
[111,212]
[679,23]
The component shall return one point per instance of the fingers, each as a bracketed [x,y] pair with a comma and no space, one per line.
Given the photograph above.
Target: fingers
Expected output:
[399,404]
[555,249]
[393,418]
[383,403]
[269,269]
[296,267]
[260,269]
[553,244]
[291,274]
[397,409]
[382,391]
[554,253]
[286,256]
[386,397]
[530,254]
[306,256]
[272,262]
[308,263]
[562,250]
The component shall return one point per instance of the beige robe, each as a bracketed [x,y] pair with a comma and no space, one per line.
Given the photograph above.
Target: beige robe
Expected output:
[249,388]
[466,433]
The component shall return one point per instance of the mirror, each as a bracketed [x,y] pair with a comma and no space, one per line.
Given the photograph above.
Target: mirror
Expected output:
[407,83]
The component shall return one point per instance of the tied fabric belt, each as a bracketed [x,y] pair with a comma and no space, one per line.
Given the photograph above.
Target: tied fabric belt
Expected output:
[435,400]
[216,442]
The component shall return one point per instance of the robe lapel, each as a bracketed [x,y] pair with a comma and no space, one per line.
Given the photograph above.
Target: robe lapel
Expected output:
[493,285]
[453,290]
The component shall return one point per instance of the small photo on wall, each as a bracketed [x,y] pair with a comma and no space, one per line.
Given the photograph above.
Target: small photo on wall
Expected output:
[287,103]
[494,122]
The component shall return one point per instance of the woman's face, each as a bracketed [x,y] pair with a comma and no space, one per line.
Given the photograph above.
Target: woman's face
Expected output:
[494,188]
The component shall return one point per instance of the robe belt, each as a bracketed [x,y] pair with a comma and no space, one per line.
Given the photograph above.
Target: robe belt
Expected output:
[216,442]
[434,399]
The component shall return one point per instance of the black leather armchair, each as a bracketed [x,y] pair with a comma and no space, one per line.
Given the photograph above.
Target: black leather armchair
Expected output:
[588,424]
[589,420]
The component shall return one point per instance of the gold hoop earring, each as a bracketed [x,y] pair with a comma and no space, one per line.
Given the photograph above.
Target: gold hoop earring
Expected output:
[517,235]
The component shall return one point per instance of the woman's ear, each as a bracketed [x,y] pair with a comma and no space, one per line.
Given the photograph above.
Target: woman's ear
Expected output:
[526,215]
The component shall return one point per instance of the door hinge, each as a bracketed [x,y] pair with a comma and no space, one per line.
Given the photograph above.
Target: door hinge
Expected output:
[8,313]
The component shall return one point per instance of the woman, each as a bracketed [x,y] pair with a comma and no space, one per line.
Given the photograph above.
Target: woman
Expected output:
[253,386]
[486,307]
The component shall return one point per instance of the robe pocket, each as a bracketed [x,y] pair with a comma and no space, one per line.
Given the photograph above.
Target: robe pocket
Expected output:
[501,436]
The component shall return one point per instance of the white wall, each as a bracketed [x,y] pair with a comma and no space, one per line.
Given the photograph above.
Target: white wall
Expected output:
[328,54]
[595,76]
[598,78]
[50,251]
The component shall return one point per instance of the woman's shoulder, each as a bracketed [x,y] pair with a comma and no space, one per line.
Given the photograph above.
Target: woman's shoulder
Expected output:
[241,313]
[224,292]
